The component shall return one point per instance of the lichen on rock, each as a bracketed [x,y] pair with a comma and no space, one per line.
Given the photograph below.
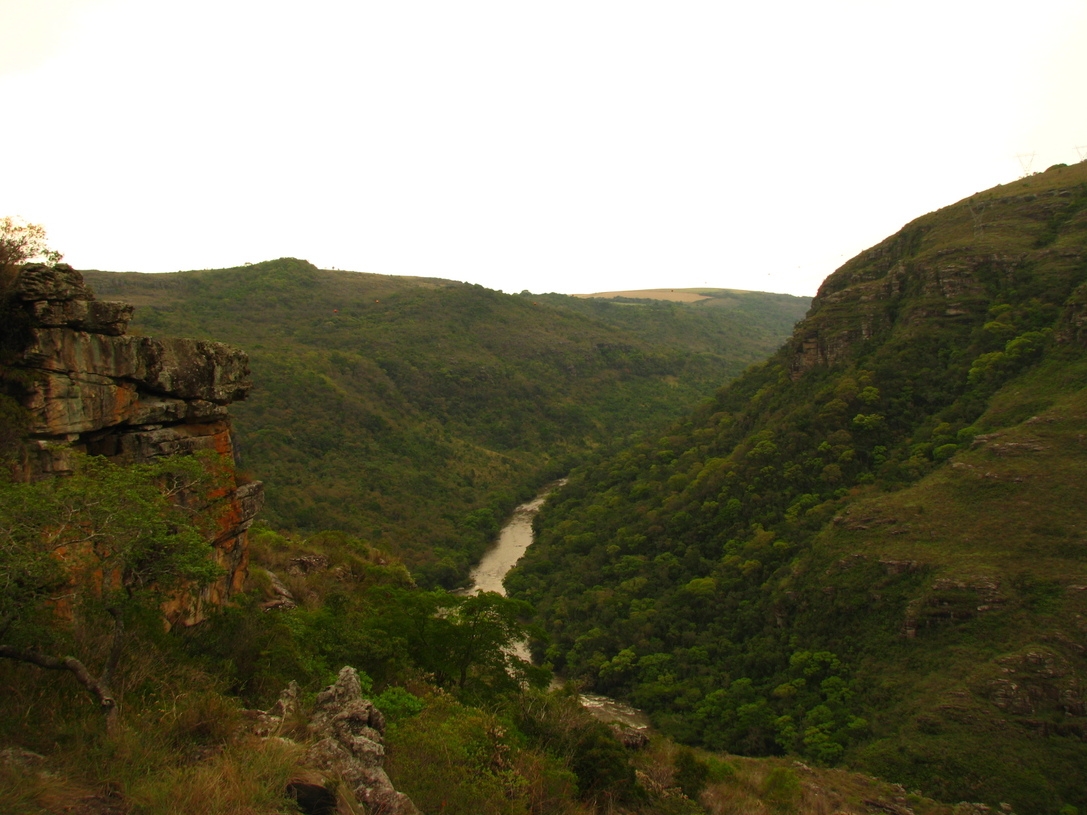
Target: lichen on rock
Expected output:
[348,741]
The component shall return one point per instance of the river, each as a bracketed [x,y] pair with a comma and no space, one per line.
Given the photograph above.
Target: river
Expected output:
[513,539]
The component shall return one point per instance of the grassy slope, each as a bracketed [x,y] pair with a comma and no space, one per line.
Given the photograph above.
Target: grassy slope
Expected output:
[849,497]
[416,412]
[986,693]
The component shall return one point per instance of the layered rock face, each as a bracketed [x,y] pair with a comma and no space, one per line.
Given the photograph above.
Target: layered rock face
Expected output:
[90,387]
[947,268]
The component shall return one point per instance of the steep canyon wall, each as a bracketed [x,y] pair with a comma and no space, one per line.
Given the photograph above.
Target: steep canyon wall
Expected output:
[90,387]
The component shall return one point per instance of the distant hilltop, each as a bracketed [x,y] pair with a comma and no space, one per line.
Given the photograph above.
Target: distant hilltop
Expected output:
[674,295]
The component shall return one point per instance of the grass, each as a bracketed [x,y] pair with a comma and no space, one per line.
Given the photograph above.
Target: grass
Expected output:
[247,776]
[182,747]
[999,533]
[785,787]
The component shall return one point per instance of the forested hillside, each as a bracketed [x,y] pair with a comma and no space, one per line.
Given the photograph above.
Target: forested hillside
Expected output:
[157,656]
[869,550]
[417,412]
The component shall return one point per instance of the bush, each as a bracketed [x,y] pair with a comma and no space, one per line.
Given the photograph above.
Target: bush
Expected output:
[691,773]
[781,790]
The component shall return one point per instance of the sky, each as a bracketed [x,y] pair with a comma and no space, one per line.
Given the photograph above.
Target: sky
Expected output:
[571,146]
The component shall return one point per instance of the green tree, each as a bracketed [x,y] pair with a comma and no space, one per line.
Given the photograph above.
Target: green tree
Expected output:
[83,554]
[691,773]
[20,243]
[468,643]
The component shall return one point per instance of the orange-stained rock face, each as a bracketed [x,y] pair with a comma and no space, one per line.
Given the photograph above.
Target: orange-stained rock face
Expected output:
[68,402]
[97,390]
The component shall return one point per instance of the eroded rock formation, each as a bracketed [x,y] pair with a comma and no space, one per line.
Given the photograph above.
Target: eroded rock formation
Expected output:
[346,735]
[921,276]
[90,387]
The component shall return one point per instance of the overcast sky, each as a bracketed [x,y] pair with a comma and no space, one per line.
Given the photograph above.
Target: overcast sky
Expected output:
[580,146]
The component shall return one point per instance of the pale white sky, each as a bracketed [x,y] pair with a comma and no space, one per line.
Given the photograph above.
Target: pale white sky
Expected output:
[561,145]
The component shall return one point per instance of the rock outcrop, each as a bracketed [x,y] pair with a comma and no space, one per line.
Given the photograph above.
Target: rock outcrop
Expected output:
[942,269]
[90,387]
[347,744]
[348,733]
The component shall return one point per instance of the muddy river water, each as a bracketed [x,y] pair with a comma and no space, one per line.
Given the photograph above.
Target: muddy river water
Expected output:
[514,538]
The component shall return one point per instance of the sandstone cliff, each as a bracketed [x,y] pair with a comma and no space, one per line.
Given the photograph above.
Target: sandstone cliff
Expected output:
[949,267]
[90,387]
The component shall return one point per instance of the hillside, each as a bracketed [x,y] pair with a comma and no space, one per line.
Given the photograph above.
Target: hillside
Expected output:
[417,412]
[869,550]
[707,296]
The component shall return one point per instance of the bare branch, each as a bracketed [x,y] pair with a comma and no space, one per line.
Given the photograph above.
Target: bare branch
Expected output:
[116,646]
[96,687]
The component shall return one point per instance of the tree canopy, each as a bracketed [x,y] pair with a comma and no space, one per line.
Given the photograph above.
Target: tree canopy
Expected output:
[81,555]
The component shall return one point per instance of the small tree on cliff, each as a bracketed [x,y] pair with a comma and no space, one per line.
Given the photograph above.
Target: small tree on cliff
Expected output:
[20,243]
[80,555]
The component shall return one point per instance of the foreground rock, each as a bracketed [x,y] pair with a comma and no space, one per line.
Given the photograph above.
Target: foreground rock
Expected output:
[349,742]
[347,736]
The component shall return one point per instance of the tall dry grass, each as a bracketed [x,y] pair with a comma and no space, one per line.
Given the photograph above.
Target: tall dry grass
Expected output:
[181,747]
